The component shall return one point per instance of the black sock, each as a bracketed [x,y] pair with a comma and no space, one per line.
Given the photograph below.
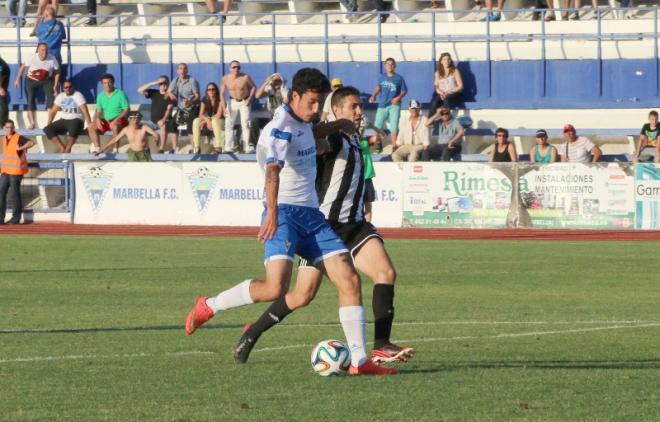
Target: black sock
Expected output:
[383,306]
[275,313]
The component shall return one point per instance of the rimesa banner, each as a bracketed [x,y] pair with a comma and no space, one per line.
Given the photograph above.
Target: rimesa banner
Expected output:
[456,194]
[647,195]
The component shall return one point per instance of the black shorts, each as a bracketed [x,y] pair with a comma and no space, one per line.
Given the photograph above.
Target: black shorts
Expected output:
[72,127]
[369,191]
[170,126]
[354,236]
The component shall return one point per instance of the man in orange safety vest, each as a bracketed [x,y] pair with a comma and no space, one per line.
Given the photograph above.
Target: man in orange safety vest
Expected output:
[12,168]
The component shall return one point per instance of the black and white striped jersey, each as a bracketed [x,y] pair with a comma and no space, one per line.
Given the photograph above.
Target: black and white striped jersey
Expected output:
[340,180]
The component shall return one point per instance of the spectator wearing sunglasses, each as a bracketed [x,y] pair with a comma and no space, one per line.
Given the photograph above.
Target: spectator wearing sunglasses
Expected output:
[241,91]
[162,106]
[210,120]
[447,146]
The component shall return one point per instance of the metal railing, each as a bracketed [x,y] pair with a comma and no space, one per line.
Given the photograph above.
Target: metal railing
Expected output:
[488,38]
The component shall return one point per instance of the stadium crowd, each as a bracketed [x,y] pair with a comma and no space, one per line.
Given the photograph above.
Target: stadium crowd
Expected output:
[178,106]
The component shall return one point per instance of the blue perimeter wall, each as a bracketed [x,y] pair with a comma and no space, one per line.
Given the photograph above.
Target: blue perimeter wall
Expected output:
[529,84]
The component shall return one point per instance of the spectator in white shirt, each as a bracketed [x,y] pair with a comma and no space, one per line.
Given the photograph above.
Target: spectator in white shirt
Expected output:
[72,120]
[578,149]
[413,134]
[43,71]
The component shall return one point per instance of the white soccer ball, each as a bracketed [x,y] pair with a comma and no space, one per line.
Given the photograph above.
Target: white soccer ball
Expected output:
[331,357]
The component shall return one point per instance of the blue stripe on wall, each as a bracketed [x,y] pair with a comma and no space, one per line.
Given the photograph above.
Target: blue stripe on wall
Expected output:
[515,84]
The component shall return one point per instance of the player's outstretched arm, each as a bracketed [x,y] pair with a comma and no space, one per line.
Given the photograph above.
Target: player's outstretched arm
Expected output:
[323,130]
[269,226]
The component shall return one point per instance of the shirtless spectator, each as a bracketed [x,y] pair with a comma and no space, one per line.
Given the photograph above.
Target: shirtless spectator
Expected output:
[136,134]
[184,89]
[112,107]
[413,135]
[43,72]
[241,92]
[72,120]
[328,115]
[274,88]
[578,149]
[52,32]
[161,108]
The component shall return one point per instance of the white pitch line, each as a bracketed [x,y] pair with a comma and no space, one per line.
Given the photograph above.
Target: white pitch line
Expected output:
[299,346]
[114,356]
[496,336]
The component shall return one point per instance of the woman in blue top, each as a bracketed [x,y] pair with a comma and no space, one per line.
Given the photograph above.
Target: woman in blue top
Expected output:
[542,152]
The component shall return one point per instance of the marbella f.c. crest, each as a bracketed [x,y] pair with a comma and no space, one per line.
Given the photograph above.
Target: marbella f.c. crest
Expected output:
[96,182]
[202,183]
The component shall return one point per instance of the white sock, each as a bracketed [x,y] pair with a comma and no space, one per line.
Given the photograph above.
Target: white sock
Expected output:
[352,322]
[239,295]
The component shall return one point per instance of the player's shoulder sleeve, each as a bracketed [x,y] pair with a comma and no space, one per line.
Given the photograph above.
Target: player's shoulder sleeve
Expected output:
[276,138]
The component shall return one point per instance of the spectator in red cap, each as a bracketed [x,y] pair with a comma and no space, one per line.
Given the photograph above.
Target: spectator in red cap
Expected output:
[578,149]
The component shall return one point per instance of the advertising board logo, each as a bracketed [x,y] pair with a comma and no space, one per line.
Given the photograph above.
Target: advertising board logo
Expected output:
[96,182]
[202,183]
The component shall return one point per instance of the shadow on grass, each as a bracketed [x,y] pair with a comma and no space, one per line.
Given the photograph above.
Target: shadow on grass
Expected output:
[111,269]
[113,329]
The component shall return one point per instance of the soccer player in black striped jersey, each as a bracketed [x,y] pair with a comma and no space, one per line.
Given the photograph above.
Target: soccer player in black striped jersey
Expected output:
[340,186]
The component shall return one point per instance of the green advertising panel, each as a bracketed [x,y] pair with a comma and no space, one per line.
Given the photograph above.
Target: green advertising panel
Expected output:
[455,195]
[562,195]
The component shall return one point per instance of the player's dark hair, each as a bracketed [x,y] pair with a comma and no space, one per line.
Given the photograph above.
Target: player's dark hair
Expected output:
[9,121]
[653,113]
[108,76]
[310,79]
[341,93]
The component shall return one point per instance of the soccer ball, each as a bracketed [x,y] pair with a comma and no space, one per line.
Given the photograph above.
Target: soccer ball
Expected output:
[331,357]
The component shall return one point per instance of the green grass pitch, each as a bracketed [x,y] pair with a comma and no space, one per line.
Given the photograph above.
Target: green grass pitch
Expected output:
[91,328]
